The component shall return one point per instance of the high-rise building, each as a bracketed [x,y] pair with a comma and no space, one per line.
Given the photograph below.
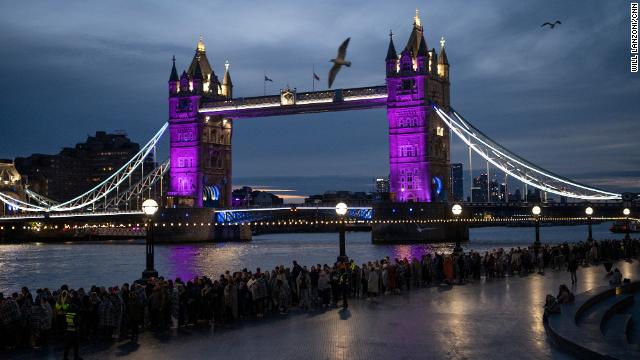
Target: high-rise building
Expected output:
[504,195]
[534,196]
[516,196]
[479,191]
[76,170]
[495,195]
[457,182]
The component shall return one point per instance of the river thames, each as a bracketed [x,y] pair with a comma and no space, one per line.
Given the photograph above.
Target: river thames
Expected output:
[112,263]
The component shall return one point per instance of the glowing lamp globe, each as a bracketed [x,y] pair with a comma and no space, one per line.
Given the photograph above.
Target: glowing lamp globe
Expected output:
[536,210]
[588,211]
[341,209]
[149,207]
[456,210]
[626,212]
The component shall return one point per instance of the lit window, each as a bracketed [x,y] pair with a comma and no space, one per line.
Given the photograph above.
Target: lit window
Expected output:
[440,131]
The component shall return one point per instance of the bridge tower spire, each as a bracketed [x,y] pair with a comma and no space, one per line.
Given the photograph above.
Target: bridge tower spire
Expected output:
[418,140]
[174,80]
[443,62]
[227,85]
[392,56]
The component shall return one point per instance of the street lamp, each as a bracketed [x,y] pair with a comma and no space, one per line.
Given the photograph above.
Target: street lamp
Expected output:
[536,210]
[456,209]
[341,210]
[149,207]
[589,212]
[626,213]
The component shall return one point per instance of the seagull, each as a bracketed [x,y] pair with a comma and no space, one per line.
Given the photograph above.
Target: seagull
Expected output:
[551,26]
[339,61]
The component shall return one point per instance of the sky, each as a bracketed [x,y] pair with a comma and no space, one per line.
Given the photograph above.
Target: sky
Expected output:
[564,99]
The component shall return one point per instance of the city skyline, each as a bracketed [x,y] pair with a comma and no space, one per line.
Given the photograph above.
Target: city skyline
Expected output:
[126,88]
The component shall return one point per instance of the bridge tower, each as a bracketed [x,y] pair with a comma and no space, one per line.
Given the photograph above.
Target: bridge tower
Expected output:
[200,171]
[419,142]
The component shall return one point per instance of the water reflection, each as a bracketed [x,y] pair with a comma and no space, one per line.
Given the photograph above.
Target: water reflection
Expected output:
[109,263]
[183,261]
[536,301]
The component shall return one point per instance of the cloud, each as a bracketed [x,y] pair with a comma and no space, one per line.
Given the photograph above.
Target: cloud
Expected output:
[563,98]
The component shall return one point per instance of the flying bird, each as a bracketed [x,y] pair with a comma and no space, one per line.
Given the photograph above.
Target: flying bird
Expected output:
[339,61]
[551,26]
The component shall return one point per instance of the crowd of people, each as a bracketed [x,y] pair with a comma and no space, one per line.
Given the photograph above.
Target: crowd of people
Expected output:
[111,313]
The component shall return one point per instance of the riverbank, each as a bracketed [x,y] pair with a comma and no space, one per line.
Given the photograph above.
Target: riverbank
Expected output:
[434,322]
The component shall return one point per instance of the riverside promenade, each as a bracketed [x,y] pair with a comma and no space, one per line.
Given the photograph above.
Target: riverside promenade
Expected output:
[496,319]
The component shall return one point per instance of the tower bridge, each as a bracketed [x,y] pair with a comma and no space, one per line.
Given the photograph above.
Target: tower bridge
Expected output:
[202,111]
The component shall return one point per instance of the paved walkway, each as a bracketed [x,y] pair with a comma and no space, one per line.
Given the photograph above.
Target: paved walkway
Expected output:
[499,319]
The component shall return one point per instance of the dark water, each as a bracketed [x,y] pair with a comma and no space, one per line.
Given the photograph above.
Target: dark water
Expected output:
[112,263]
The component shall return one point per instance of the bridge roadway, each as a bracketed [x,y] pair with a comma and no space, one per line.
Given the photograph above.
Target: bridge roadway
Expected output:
[471,210]
[298,103]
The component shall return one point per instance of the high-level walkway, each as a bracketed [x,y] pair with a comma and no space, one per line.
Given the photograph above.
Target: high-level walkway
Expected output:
[497,319]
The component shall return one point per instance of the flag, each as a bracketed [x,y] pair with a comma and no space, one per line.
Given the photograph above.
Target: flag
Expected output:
[316,77]
[267,79]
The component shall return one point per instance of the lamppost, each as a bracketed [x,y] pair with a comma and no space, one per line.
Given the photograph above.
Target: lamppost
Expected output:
[536,210]
[149,207]
[341,210]
[456,209]
[589,212]
[626,213]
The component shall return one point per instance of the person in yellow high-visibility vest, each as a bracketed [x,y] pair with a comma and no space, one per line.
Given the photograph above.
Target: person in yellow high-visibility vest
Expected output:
[71,337]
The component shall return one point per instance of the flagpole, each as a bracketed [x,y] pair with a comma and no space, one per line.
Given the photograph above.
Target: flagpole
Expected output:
[264,81]
[313,79]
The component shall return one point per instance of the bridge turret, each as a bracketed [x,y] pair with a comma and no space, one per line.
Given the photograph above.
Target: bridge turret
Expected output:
[227,85]
[184,82]
[406,61]
[174,80]
[422,58]
[433,62]
[392,57]
[443,62]
[209,79]
[197,81]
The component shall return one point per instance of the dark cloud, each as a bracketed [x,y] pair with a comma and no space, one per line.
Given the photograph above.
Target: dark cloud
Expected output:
[564,99]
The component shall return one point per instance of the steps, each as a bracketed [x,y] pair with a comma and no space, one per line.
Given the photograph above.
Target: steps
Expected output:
[593,326]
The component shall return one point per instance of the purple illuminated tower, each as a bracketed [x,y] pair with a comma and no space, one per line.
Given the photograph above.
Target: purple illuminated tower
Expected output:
[200,173]
[418,140]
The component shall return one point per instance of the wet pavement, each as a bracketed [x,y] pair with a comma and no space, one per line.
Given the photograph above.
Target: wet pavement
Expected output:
[496,319]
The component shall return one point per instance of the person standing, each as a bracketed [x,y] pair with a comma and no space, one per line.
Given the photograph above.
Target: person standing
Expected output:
[47,319]
[345,285]
[134,312]
[324,287]
[71,338]
[573,268]
[304,281]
